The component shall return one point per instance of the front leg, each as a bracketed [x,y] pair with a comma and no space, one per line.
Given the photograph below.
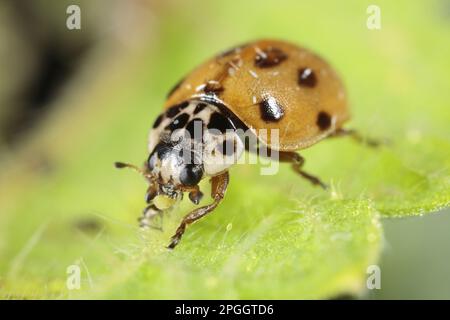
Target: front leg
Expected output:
[149,216]
[218,187]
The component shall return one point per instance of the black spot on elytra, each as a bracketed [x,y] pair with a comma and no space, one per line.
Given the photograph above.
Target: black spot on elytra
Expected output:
[175,87]
[271,110]
[219,122]
[307,78]
[323,120]
[199,107]
[174,110]
[178,122]
[228,147]
[158,121]
[269,57]
[196,122]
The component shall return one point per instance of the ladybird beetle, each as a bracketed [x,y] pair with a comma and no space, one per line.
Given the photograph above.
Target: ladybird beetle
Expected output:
[258,87]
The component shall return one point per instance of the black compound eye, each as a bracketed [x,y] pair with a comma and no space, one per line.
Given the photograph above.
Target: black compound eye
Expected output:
[191,174]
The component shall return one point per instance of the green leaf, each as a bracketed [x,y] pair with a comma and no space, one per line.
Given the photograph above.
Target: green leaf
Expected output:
[316,248]
[320,249]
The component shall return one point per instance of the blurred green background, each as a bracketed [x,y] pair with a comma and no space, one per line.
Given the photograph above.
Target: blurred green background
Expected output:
[74,101]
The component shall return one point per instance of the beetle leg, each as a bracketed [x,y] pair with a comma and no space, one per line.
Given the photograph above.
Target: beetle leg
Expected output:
[355,135]
[218,187]
[297,164]
[149,215]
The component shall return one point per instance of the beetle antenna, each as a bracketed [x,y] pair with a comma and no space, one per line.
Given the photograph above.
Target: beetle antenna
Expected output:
[120,165]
